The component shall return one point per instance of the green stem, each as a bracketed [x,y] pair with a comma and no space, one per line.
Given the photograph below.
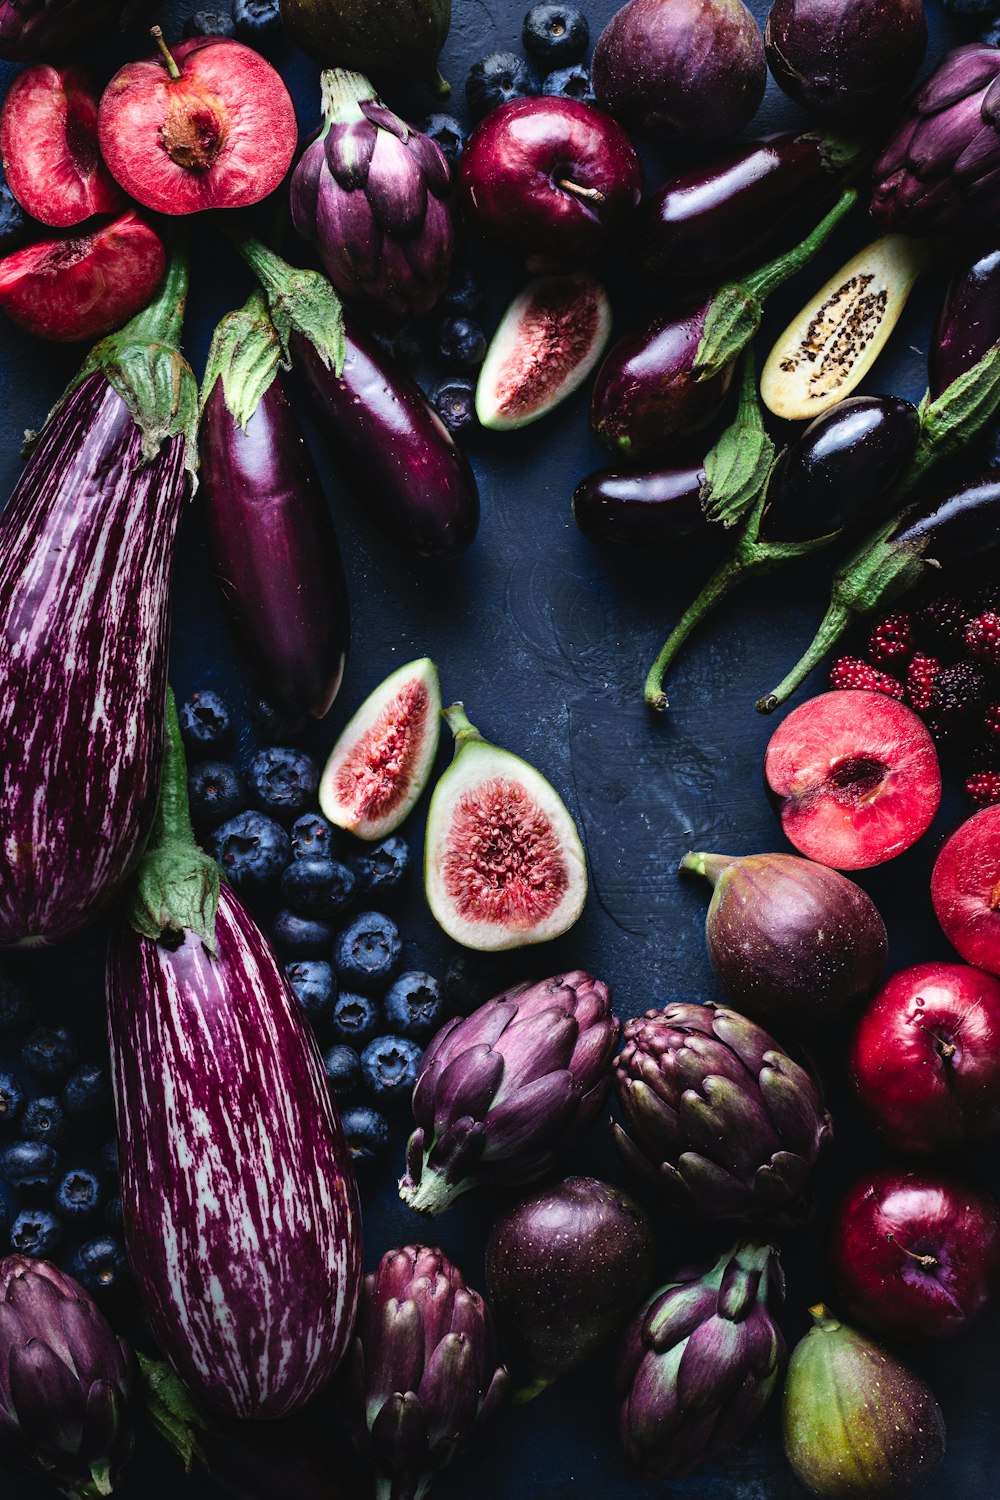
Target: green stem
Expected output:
[163,320]
[528,1392]
[244,355]
[341,92]
[832,627]
[823,1318]
[738,468]
[711,866]
[715,590]
[439,85]
[299,301]
[432,1194]
[165,52]
[762,283]
[460,725]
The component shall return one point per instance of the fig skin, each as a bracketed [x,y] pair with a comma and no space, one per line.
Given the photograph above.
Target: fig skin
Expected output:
[565,1268]
[845,59]
[858,1425]
[791,942]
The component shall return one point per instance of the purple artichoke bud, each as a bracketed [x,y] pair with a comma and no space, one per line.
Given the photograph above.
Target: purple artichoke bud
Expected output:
[64,1381]
[717,1115]
[374,196]
[700,1361]
[941,170]
[422,1379]
[503,1092]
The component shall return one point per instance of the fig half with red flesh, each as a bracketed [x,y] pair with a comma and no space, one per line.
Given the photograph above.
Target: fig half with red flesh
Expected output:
[383,757]
[48,144]
[82,286]
[503,861]
[855,778]
[210,125]
[965,889]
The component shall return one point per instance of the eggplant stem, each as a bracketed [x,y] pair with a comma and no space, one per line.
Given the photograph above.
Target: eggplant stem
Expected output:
[832,627]
[162,320]
[762,282]
[168,56]
[715,590]
[592,195]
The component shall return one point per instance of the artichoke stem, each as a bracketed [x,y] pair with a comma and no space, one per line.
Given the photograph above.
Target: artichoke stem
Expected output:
[432,1194]
[342,92]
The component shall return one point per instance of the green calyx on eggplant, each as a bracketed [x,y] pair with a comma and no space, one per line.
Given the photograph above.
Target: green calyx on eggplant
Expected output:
[792,943]
[858,1425]
[394,40]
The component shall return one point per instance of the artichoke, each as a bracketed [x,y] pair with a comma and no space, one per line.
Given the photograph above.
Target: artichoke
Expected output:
[373,195]
[64,1381]
[941,170]
[503,1092]
[422,1374]
[700,1361]
[718,1116]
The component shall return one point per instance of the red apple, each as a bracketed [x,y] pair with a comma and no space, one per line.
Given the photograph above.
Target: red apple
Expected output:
[965,889]
[48,143]
[855,777]
[549,178]
[916,1254]
[209,126]
[926,1058]
[81,286]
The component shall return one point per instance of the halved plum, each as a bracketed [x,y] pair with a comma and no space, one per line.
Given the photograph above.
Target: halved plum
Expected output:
[965,890]
[82,286]
[855,776]
[48,144]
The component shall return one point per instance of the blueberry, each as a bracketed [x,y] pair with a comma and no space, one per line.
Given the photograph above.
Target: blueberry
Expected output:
[252,850]
[446,132]
[87,1090]
[414,1006]
[14,222]
[367,951]
[461,343]
[11,1098]
[35,1232]
[100,1264]
[354,1019]
[496,79]
[555,34]
[312,835]
[49,1051]
[274,724]
[317,887]
[78,1194]
[282,781]
[215,791]
[343,1071]
[463,293]
[301,937]
[383,868]
[257,20]
[205,721]
[570,83]
[209,23]
[367,1134]
[390,1065]
[455,403]
[402,346]
[17,1010]
[113,1213]
[109,1158]
[314,986]
[28,1164]
[44,1120]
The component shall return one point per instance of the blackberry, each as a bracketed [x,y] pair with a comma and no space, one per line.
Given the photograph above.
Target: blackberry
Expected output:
[853,673]
[983,787]
[891,642]
[959,690]
[921,675]
[947,618]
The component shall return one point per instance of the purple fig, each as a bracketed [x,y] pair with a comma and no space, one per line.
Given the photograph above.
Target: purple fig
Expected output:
[845,59]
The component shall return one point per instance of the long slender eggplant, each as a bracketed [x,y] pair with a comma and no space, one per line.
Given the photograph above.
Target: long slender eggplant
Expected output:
[86,547]
[239,1203]
[32,28]
[393,446]
[276,553]
[714,218]
[969,324]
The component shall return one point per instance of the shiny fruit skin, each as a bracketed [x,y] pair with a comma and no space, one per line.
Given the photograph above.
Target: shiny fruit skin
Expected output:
[965,889]
[845,59]
[641,508]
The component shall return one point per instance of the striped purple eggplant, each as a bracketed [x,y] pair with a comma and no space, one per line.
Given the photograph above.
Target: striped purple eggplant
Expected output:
[86,547]
[276,554]
[239,1203]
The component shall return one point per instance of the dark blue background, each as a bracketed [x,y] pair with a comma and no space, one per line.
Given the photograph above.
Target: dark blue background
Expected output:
[548,644]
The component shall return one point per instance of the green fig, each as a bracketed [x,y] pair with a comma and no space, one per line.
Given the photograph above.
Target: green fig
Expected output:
[857,1423]
[391,40]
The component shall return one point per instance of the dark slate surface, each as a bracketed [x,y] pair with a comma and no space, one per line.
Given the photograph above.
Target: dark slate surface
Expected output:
[548,644]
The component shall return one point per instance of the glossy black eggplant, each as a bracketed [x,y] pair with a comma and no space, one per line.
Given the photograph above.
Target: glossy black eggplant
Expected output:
[846,60]
[641,509]
[969,324]
[711,219]
[276,553]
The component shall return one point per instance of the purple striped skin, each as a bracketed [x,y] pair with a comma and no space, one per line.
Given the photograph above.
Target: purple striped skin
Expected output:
[86,546]
[241,1212]
[276,553]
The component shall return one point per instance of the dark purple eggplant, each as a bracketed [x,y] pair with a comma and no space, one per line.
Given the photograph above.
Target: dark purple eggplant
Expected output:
[969,324]
[33,28]
[276,554]
[846,60]
[711,219]
[394,448]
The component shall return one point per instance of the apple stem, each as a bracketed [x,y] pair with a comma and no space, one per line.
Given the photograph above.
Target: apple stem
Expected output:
[168,56]
[927,1261]
[592,195]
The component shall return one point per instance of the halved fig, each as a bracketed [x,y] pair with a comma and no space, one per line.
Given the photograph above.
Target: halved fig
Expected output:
[503,861]
[831,345]
[382,759]
[82,286]
[48,144]
[549,340]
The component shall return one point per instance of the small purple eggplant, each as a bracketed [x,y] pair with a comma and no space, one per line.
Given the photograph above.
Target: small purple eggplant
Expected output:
[564,1269]
[969,324]
[846,60]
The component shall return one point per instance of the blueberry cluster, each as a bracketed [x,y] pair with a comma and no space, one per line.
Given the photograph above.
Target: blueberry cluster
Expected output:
[556,38]
[251,21]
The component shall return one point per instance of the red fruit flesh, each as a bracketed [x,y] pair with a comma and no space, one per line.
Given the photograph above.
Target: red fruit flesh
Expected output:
[83,286]
[965,890]
[374,779]
[222,134]
[926,1058]
[916,1254]
[48,144]
[856,778]
[503,862]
